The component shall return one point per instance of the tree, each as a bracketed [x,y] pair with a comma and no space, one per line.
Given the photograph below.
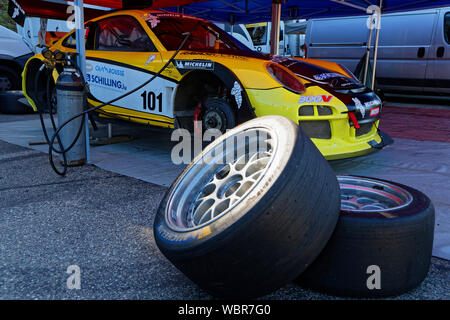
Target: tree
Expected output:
[5,19]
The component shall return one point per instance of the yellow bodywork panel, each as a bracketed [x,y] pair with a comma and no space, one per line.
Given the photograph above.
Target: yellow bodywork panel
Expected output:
[343,142]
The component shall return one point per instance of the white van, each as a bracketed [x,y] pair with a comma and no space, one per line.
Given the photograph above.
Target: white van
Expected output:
[414,48]
[32,26]
[260,35]
[239,32]
[14,53]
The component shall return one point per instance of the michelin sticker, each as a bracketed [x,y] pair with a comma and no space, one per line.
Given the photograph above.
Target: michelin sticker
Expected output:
[237,93]
[194,65]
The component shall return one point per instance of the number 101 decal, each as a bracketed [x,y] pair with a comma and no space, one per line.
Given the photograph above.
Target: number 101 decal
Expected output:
[149,101]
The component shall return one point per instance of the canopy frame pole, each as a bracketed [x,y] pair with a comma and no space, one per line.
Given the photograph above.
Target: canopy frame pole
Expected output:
[368,48]
[81,51]
[377,40]
[275,29]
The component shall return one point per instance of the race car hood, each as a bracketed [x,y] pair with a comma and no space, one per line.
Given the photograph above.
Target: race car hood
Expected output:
[306,70]
[318,74]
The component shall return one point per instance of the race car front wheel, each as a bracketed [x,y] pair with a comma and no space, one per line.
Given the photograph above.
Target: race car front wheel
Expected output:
[218,114]
[382,243]
[251,212]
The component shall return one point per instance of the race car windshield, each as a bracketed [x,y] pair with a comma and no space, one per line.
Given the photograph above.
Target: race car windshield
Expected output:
[171,31]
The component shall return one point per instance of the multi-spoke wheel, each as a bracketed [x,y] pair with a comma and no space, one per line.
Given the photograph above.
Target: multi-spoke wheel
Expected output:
[382,224]
[251,211]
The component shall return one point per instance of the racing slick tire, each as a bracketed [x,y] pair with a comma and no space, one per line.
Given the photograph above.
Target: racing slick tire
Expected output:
[379,248]
[218,115]
[10,103]
[244,228]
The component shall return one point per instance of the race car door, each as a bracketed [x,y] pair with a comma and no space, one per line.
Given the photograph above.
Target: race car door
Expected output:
[122,59]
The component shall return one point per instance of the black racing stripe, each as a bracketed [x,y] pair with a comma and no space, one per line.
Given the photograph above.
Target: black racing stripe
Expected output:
[128,66]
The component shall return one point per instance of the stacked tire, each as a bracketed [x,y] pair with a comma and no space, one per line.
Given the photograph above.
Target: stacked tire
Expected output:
[261,206]
[381,246]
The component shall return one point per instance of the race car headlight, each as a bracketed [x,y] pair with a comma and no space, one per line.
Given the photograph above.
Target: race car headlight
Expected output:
[286,78]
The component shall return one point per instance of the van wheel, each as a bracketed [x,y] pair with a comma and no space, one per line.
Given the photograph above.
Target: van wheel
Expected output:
[250,212]
[382,225]
[9,79]
[10,104]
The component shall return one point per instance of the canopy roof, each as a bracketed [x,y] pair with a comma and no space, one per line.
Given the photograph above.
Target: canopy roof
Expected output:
[234,11]
[241,11]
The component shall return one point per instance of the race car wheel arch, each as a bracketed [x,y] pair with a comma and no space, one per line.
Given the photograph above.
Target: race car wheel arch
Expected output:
[192,85]
[37,95]
[376,254]
[269,237]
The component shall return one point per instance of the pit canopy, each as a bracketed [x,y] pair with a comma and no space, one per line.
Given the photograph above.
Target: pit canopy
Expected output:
[250,11]
[228,11]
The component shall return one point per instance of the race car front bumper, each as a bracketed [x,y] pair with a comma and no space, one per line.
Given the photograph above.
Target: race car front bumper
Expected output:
[327,124]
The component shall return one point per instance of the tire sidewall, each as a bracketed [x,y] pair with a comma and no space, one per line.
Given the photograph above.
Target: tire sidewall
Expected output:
[173,240]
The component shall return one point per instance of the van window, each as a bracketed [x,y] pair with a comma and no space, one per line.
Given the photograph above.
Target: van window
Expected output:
[258,33]
[447,27]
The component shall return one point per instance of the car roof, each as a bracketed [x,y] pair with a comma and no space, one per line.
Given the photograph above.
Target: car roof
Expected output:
[141,12]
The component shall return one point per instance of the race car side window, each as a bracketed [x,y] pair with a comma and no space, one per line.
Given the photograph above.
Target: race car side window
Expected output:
[70,40]
[122,33]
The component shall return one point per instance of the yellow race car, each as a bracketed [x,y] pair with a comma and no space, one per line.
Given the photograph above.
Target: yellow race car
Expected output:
[214,79]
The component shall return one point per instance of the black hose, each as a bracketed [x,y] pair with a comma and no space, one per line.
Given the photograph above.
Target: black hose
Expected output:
[56,133]
[41,116]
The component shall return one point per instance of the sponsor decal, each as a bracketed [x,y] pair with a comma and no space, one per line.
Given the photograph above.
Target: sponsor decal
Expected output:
[316,99]
[104,81]
[367,105]
[237,93]
[359,107]
[374,112]
[150,59]
[109,70]
[194,64]
[173,237]
[153,20]
[372,103]
[325,76]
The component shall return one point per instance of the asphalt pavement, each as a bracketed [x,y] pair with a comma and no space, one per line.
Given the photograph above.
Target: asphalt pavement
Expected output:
[102,222]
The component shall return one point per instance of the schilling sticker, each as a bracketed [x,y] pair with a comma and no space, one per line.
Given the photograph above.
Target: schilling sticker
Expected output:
[316,99]
[194,64]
